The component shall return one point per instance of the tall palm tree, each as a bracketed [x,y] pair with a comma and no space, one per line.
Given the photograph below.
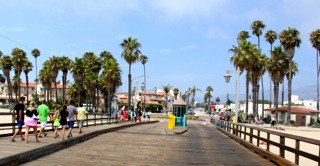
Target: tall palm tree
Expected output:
[277,66]
[241,59]
[36,53]
[243,35]
[193,91]
[45,78]
[166,89]
[315,41]
[6,65]
[27,67]
[78,74]
[257,27]
[144,60]
[110,80]
[65,64]
[131,52]
[209,89]
[18,59]
[53,65]
[207,97]
[271,36]
[289,39]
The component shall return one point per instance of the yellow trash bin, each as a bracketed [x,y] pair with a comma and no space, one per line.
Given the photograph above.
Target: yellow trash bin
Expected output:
[171,121]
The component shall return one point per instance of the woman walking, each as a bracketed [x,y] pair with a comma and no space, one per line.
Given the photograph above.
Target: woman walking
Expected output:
[63,120]
[31,122]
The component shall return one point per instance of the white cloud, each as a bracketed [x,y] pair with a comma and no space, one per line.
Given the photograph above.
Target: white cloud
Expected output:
[186,8]
[188,47]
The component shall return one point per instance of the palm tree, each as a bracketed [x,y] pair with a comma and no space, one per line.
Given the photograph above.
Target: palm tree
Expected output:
[243,35]
[175,93]
[257,27]
[289,39]
[45,78]
[207,97]
[53,65]
[6,65]
[315,41]
[144,60]
[110,80]
[241,58]
[166,89]
[193,93]
[18,59]
[209,89]
[270,37]
[65,64]
[36,53]
[131,55]
[27,67]
[78,73]
[277,65]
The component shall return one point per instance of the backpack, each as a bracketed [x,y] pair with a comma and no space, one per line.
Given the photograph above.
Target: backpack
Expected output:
[121,112]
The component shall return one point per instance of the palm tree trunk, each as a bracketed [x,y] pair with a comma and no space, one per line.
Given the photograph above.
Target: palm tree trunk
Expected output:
[27,83]
[318,68]
[129,88]
[282,94]
[289,90]
[254,97]
[271,83]
[36,100]
[247,95]
[145,87]
[262,89]
[276,95]
[270,102]
[19,90]
[55,87]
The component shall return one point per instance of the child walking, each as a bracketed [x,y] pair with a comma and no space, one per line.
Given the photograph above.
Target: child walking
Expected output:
[56,123]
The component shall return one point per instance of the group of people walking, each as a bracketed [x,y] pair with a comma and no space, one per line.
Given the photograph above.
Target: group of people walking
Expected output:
[65,117]
[132,116]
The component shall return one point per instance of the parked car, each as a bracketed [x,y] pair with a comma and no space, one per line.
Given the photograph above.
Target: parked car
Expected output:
[190,112]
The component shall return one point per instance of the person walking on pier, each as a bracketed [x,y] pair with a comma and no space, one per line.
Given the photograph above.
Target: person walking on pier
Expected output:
[82,115]
[31,121]
[43,111]
[56,123]
[72,112]
[19,110]
[63,120]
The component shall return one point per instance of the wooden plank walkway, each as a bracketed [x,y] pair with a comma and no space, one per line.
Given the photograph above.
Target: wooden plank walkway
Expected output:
[143,145]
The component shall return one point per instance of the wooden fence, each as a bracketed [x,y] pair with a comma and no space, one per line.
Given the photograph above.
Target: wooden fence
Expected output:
[273,145]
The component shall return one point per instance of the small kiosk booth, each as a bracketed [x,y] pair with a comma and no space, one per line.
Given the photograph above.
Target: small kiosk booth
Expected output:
[179,111]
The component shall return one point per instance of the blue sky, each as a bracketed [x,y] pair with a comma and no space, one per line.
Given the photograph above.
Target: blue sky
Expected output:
[186,41]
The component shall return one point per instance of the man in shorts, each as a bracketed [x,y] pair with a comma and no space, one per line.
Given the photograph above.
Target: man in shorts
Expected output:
[43,111]
[72,112]
[19,110]
[82,115]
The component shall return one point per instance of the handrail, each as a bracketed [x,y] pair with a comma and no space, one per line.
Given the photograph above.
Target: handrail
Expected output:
[93,119]
[246,133]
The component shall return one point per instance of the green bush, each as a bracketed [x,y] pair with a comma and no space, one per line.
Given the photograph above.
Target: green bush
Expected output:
[314,124]
[293,123]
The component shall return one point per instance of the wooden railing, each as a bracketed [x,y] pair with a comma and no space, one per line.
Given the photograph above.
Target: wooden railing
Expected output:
[8,129]
[290,147]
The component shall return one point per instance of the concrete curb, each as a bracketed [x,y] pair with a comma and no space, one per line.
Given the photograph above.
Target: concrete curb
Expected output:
[24,157]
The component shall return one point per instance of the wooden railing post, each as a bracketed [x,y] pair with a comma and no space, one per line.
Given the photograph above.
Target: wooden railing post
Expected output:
[268,144]
[296,158]
[258,140]
[251,134]
[282,142]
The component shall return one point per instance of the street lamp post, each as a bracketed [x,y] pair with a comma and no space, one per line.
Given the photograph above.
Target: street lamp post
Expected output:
[227,77]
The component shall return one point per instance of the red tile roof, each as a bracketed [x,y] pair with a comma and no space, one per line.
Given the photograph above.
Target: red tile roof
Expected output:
[294,109]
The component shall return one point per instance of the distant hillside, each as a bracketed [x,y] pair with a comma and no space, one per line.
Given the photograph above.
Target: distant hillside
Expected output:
[305,93]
